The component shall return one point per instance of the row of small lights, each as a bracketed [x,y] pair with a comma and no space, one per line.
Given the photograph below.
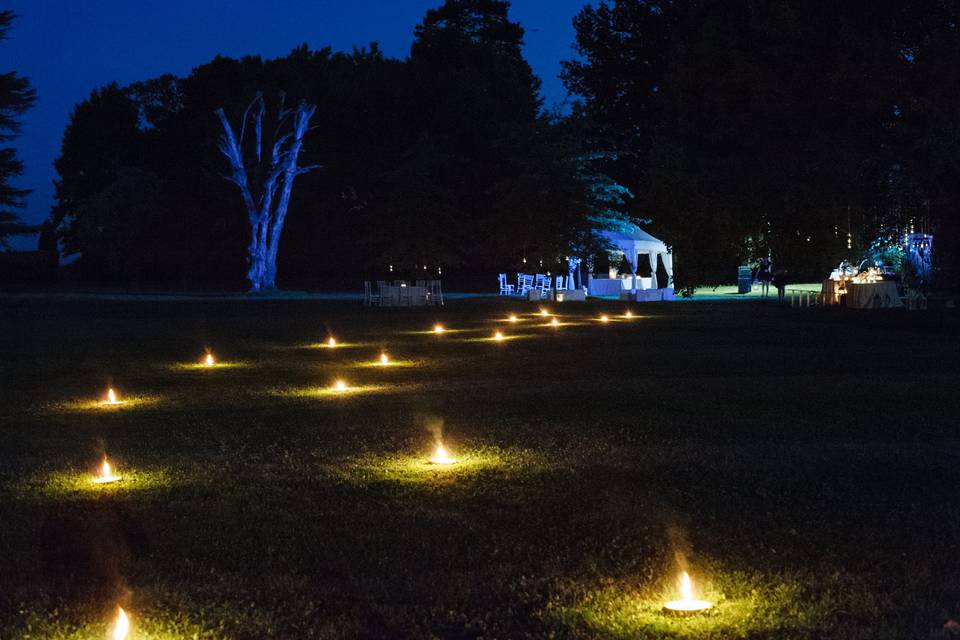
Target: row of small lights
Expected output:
[687,605]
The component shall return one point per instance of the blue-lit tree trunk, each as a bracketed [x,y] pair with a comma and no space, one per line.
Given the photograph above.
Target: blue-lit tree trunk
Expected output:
[264,170]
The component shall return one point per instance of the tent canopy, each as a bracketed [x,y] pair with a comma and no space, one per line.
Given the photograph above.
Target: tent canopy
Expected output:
[632,240]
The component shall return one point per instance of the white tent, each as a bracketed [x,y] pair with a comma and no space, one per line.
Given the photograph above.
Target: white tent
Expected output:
[633,241]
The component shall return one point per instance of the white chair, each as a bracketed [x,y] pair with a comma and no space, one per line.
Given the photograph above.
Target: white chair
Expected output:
[543,285]
[505,289]
[435,292]
[385,300]
[524,283]
[369,297]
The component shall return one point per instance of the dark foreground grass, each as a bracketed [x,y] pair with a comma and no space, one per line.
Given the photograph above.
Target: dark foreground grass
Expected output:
[803,466]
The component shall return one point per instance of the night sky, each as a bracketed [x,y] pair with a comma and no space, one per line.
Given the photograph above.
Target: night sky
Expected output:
[67,48]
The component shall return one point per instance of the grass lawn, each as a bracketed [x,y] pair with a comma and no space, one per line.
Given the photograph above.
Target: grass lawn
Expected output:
[802,465]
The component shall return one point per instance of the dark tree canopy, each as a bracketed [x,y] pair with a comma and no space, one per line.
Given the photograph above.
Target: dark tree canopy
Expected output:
[748,127]
[16,96]
[443,160]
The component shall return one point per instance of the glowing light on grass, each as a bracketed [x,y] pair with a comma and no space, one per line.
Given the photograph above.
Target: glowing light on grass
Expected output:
[513,317]
[121,626]
[208,360]
[112,398]
[555,322]
[331,342]
[498,336]
[438,328]
[628,314]
[604,318]
[105,474]
[687,605]
[384,359]
[440,455]
[340,385]
[544,313]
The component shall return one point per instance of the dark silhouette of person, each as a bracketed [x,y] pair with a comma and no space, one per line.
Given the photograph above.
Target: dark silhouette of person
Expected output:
[764,275]
[780,282]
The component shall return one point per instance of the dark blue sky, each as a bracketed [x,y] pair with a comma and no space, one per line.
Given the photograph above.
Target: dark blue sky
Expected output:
[68,47]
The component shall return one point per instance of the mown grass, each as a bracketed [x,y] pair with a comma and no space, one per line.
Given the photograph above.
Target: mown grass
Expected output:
[801,464]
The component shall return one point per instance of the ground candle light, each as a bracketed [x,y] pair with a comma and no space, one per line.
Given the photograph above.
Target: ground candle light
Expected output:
[544,313]
[628,314]
[438,328]
[513,317]
[340,385]
[105,474]
[555,322]
[331,342]
[208,360]
[604,318]
[687,605]
[384,358]
[498,336]
[440,456]
[112,397]
[121,627]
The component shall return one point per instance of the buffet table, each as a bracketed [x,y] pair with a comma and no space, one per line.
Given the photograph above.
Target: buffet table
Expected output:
[873,295]
[393,296]
[613,286]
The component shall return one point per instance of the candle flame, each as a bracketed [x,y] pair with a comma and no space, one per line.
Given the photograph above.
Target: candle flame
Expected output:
[384,358]
[438,328]
[440,456]
[121,627]
[686,587]
[544,313]
[513,317]
[331,342]
[111,397]
[628,314]
[604,318]
[208,360]
[688,604]
[339,385]
[555,322]
[498,336]
[106,473]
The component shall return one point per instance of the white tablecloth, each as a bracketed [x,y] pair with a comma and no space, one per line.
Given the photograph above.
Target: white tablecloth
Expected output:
[874,295]
[390,295]
[830,291]
[613,286]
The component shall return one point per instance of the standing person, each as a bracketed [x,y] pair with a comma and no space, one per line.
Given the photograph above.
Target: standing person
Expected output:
[780,282]
[763,276]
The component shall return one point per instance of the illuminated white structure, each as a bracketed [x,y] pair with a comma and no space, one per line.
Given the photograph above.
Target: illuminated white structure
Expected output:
[633,243]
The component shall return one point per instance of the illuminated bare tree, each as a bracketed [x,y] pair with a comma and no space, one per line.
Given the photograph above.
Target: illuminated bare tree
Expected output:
[264,169]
